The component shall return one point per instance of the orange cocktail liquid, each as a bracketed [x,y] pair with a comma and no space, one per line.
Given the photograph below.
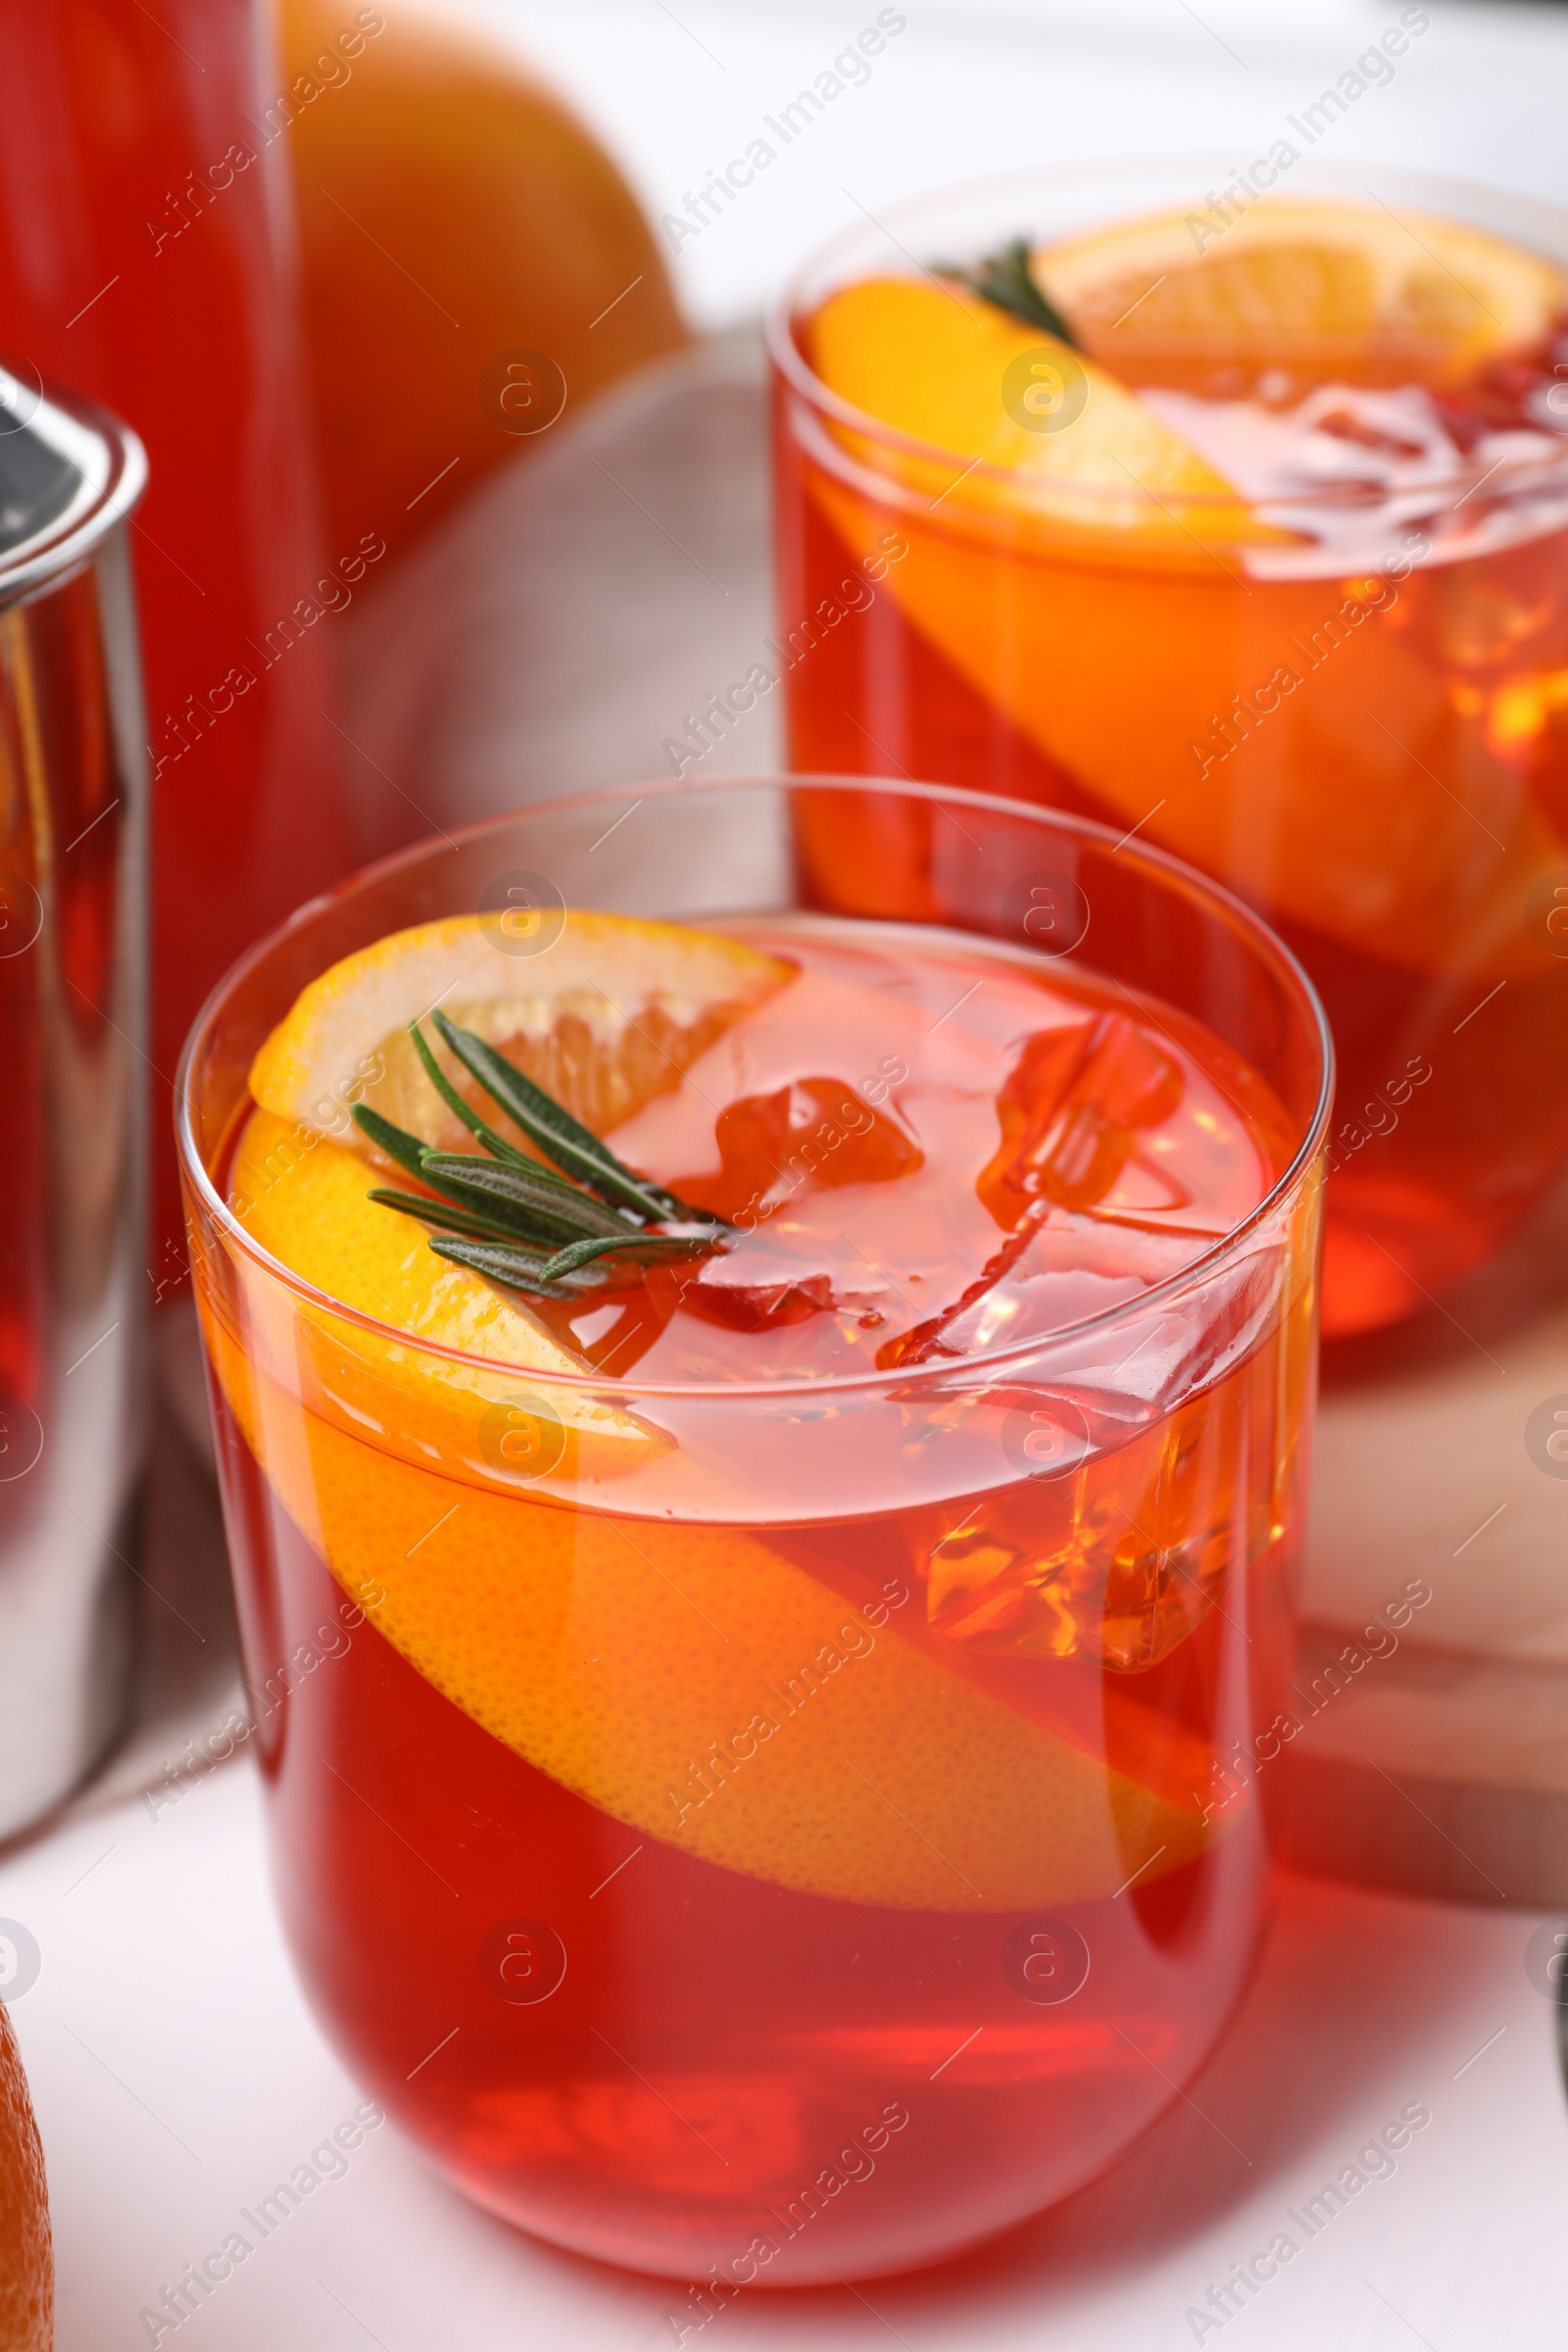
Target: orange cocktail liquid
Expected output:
[784,1893]
[1365,734]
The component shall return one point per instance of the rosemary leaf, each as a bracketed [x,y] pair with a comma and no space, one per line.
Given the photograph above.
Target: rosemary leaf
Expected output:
[449,1217]
[458,1178]
[567,1213]
[510,1218]
[1006,279]
[492,1142]
[518,1269]
[569,1144]
[639,1246]
[395,1141]
[552,1210]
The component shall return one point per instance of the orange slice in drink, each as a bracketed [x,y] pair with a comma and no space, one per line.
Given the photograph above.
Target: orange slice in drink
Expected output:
[693,1684]
[591,1609]
[603,1011]
[606,1014]
[26,2257]
[1327,291]
[1031,428]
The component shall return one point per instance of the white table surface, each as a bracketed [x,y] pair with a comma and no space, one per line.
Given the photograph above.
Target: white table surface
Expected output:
[177,2076]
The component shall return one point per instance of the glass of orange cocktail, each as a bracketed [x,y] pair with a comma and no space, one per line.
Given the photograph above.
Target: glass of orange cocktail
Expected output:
[1231,509]
[764,1729]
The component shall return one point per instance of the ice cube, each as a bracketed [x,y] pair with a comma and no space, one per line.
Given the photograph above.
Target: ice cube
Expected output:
[1070,1114]
[1058,1270]
[1104,1590]
[1147,1365]
[1119,1535]
[806,1137]
[758,1284]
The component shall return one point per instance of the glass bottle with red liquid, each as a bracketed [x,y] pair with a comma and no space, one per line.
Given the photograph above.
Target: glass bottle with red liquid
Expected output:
[145,259]
[764,1755]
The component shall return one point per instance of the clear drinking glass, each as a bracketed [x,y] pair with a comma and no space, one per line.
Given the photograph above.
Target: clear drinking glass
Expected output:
[662,1835]
[1345,701]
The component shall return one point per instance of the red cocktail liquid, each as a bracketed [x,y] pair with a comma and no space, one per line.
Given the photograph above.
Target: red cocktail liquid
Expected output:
[144,259]
[708,2086]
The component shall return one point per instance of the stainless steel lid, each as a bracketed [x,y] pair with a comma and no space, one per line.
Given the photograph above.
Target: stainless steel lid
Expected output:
[69,473]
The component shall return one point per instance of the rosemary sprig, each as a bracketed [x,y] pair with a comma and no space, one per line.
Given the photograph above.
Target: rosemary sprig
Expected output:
[1006,279]
[571,1146]
[508,1216]
[496,1145]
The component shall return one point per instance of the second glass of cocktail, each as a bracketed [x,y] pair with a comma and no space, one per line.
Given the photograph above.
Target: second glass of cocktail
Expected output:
[765,1704]
[1232,510]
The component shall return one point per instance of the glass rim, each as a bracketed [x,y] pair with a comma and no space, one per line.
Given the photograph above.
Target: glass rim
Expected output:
[43,560]
[989,1371]
[787,308]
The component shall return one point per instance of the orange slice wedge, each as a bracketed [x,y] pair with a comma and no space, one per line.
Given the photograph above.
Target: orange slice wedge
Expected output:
[606,1016]
[603,1011]
[1032,428]
[699,1687]
[1325,290]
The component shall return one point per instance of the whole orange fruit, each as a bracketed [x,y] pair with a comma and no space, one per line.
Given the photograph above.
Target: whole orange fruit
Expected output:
[473,258]
[26,2257]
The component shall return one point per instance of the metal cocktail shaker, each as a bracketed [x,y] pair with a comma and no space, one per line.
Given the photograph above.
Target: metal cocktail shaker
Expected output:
[73,1140]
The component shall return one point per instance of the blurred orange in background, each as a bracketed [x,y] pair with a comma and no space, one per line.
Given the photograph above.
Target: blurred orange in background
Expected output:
[26,2257]
[466,245]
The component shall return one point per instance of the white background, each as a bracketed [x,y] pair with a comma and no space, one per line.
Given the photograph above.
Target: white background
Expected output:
[977,86]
